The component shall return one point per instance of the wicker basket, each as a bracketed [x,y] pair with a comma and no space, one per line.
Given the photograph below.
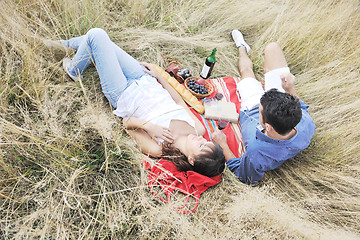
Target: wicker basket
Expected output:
[172,69]
[208,86]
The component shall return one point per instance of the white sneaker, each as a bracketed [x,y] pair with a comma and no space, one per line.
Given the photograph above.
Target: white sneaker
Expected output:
[66,65]
[239,40]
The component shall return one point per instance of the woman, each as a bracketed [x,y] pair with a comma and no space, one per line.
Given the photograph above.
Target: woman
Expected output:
[154,115]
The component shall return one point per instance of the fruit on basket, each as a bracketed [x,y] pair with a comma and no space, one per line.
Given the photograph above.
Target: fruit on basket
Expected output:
[199,87]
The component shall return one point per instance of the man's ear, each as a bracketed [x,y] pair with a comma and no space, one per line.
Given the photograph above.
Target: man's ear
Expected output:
[268,127]
[191,160]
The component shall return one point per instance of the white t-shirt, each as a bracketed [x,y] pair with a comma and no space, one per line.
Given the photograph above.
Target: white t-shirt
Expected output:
[146,99]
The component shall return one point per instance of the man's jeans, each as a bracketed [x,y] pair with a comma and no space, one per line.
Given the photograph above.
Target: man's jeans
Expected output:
[116,68]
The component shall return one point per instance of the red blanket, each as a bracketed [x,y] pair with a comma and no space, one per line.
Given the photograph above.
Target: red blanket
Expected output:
[164,178]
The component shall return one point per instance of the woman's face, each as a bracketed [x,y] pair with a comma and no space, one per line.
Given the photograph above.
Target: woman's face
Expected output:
[197,145]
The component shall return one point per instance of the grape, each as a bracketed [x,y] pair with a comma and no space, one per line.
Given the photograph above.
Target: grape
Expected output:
[197,88]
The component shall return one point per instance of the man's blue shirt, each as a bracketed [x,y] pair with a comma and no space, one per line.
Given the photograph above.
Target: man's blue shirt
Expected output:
[263,153]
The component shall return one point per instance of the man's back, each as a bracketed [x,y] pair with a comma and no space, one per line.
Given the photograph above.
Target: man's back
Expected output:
[263,153]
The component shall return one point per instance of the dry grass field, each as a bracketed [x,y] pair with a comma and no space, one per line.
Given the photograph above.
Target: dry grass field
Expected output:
[69,171]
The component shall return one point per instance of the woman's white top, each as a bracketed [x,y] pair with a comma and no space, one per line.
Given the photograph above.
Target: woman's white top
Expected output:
[146,99]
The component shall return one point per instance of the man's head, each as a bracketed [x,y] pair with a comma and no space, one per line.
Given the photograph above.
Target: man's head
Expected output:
[281,110]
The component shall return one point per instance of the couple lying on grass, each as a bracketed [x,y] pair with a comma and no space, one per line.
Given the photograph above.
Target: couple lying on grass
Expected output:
[275,124]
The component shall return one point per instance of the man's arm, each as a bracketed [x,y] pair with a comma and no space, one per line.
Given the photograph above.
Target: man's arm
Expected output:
[288,81]
[245,167]
[220,138]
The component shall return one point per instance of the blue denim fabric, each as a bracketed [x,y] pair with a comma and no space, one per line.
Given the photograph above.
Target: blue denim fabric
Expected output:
[116,68]
[263,153]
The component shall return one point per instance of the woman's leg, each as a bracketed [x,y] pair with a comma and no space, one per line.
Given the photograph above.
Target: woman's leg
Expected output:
[74,42]
[129,65]
[114,65]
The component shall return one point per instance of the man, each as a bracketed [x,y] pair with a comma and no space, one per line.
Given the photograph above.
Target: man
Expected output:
[275,125]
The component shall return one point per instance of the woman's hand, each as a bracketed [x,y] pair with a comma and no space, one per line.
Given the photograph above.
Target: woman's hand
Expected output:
[156,131]
[150,70]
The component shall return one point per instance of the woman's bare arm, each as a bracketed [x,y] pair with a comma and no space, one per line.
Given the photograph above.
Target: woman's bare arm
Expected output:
[155,131]
[146,144]
[174,94]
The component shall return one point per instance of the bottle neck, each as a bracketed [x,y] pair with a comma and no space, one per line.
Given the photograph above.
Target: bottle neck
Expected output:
[211,58]
[213,53]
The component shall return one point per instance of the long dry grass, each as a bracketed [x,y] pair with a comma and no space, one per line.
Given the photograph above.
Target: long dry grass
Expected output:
[69,171]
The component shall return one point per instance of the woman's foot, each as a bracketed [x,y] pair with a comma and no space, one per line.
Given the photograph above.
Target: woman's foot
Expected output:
[239,40]
[56,44]
[66,66]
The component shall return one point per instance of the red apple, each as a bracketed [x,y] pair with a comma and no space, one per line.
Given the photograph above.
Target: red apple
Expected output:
[200,81]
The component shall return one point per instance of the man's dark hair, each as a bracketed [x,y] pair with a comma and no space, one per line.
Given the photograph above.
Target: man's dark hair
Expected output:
[281,110]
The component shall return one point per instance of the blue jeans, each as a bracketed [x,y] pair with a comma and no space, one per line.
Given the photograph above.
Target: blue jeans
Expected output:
[116,68]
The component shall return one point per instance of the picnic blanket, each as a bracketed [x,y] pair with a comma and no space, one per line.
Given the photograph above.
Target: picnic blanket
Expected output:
[164,179]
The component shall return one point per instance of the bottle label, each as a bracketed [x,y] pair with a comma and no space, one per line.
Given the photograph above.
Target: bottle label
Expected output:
[205,71]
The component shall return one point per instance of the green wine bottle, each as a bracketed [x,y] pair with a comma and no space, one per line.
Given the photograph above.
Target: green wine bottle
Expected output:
[208,65]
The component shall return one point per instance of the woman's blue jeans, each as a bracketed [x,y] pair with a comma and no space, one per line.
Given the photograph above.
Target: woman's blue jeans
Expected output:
[116,68]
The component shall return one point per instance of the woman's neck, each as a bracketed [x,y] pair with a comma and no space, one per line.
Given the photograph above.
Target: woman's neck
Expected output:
[180,143]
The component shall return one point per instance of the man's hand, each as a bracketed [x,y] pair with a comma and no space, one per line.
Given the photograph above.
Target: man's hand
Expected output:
[220,138]
[288,82]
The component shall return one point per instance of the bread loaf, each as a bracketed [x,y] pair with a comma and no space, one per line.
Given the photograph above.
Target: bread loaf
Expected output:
[188,97]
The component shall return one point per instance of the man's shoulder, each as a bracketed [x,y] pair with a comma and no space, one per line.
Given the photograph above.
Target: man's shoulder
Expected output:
[279,150]
[304,106]
[306,122]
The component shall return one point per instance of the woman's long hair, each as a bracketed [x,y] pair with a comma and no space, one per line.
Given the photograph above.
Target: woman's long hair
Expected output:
[210,163]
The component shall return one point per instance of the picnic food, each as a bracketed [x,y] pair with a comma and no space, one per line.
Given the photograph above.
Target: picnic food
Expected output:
[200,81]
[197,87]
[188,97]
[199,90]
